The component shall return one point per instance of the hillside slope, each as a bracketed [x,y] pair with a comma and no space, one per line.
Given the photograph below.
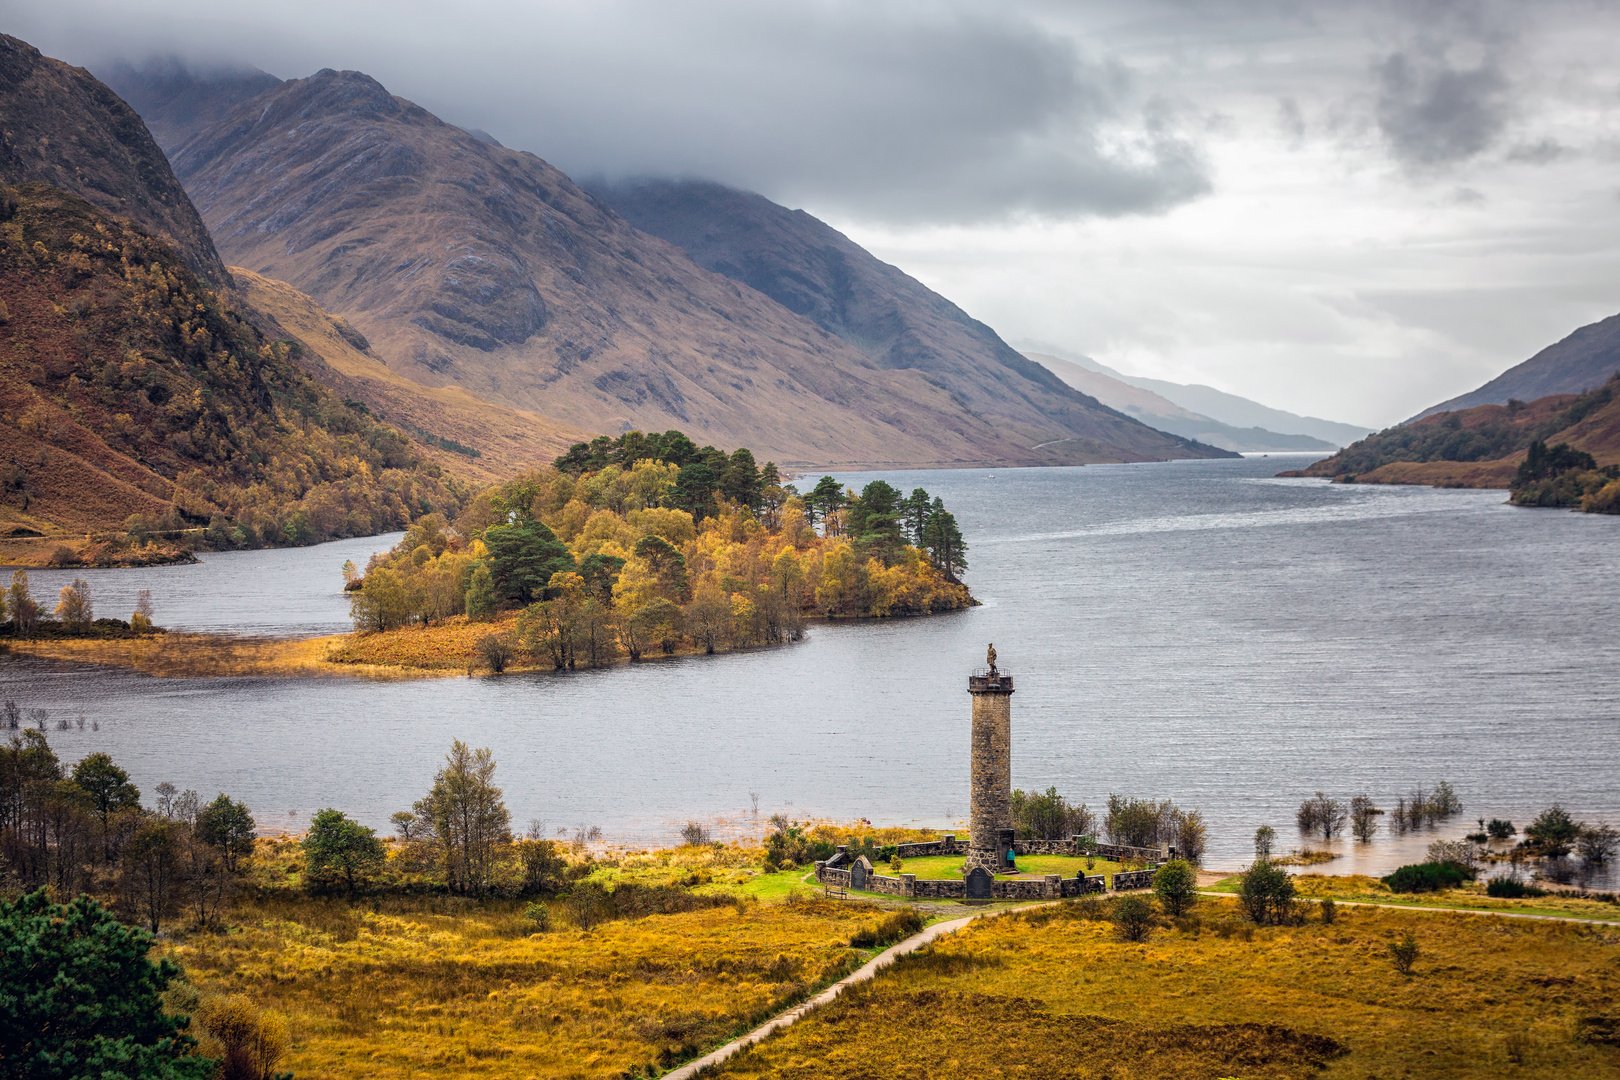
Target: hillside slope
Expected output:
[1162,413]
[1581,361]
[1481,446]
[467,435]
[469,264]
[897,322]
[129,389]
[60,126]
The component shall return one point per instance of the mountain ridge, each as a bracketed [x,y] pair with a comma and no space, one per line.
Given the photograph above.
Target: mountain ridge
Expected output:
[556,305]
[175,98]
[135,397]
[1580,361]
[815,271]
[1480,446]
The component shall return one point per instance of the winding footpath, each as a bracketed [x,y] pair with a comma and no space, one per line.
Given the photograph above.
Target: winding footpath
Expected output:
[865,973]
[869,970]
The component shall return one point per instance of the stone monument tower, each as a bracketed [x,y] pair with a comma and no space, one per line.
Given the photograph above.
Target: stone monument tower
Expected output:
[990,827]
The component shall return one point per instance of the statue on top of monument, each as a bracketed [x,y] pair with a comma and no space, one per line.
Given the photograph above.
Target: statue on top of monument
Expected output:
[990,657]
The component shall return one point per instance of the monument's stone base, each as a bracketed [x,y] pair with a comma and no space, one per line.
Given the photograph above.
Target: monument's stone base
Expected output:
[987,859]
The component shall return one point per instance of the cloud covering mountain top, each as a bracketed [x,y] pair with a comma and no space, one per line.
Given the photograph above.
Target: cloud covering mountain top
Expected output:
[1291,199]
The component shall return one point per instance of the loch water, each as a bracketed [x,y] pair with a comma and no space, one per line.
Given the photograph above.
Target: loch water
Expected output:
[1200,631]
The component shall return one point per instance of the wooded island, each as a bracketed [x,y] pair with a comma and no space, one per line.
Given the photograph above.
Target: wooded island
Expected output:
[645,545]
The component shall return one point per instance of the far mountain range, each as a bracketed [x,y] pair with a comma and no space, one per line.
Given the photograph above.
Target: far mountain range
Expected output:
[1200,412]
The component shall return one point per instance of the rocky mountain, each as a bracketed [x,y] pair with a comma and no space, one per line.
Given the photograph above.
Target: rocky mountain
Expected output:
[467,435]
[61,127]
[468,264]
[1581,361]
[1162,413]
[177,98]
[135,397]
[893,319]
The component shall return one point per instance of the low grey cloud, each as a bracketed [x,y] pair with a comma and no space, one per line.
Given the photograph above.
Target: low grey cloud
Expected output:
[1180,189]
[1540,152]
[1291,122]
[1434,114]
[949,113]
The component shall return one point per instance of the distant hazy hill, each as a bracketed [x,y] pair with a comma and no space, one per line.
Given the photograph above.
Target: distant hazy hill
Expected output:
[1239,412]
[1160,412]
[1579,362]
[60,126]
[177,99]
[815,271]
[1483,445]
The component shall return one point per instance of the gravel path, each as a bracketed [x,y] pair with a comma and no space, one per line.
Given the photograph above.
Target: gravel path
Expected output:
[864,973]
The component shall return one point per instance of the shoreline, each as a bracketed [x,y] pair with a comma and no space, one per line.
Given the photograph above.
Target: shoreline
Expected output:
[383,655]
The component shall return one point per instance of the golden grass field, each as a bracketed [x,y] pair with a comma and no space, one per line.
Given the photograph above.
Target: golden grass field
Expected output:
[178,655]
[1052,993]
[428,985]
[433,987]
[442,649]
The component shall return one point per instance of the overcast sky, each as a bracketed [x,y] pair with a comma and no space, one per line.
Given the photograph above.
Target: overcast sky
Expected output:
[1350,210]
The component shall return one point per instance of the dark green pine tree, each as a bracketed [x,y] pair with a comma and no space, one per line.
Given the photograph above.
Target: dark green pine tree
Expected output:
[942,539]
[80,998]
[875,523]
[695,486]
[825,499]
[523,556]
[915,509]
[740,480]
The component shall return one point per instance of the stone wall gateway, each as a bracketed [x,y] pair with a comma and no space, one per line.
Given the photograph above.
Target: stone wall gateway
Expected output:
[1133,879]
[1074,845]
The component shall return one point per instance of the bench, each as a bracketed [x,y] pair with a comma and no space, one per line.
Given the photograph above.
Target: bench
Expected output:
[840,892]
